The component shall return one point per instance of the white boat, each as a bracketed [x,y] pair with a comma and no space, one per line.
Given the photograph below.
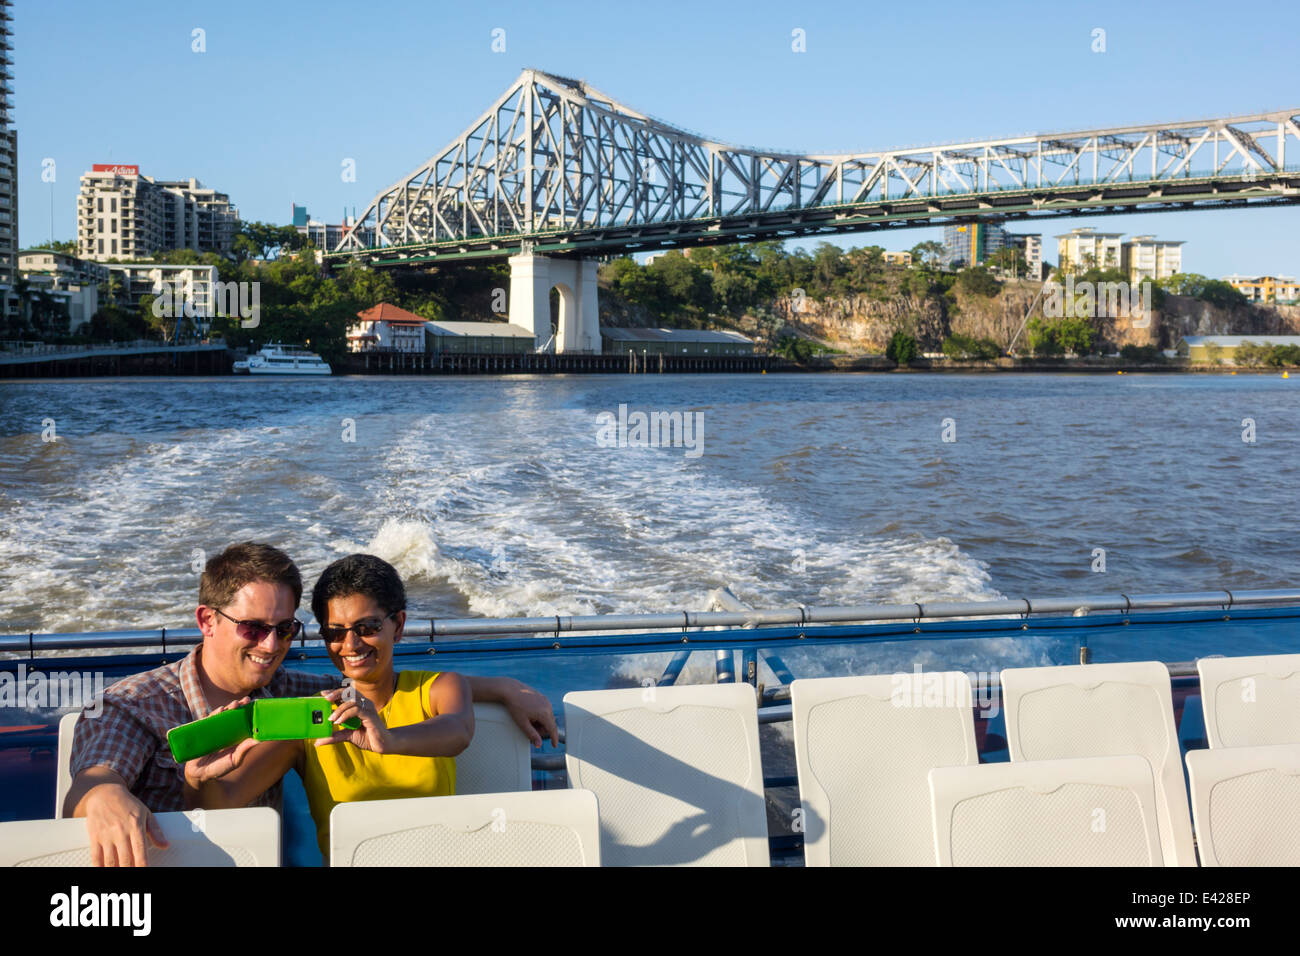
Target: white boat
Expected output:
[279,359]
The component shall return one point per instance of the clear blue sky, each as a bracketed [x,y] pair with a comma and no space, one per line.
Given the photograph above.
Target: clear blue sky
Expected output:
[288,88]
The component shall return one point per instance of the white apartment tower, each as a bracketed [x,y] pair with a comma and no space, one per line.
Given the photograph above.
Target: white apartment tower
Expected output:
[1146,257]
[124,215]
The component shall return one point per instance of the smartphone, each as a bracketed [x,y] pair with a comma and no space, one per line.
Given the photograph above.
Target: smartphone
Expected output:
[295,718]
[200,737]
[268,718]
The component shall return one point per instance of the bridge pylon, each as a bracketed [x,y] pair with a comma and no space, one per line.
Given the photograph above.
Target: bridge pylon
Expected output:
[532,277]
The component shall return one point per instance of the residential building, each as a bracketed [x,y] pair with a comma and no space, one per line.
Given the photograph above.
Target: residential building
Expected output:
[618,341]
[125,216]
[897,258]
[971,243]
[1280,289]
[1031,247]
[73,283]
[1086,248]
[326,237]
[1146,257]
[385,326]
[67,269]
[8,161]
[186,286]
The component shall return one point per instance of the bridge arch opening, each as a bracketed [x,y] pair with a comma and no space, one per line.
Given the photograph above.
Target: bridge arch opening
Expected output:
[563,313]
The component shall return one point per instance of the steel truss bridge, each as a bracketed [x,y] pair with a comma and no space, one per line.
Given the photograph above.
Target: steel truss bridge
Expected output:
[557,168]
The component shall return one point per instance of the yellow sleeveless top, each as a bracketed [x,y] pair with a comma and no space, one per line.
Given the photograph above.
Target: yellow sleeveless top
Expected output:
[340,773]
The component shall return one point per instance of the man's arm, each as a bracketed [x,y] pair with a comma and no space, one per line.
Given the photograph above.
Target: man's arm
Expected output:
[116,821]
[529,708]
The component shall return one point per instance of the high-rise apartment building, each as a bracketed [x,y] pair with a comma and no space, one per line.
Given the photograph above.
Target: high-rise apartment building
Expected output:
[1088,249]
[1146,257]
[971,243]
[8,162]
[124,215]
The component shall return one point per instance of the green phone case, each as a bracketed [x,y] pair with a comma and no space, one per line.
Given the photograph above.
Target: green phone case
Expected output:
[295,718]
[267,718]
[211,733]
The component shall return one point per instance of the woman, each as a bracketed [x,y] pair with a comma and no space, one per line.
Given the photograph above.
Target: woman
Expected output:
[413,723]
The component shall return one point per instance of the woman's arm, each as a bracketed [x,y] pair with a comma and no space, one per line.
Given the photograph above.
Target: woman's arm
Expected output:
[445,734]
[238,775]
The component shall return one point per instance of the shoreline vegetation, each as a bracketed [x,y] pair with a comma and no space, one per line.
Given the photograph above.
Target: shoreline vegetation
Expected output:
[827,309]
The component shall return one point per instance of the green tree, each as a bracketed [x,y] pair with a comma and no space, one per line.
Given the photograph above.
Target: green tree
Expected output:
[902,349]
[928,253]
[977,280]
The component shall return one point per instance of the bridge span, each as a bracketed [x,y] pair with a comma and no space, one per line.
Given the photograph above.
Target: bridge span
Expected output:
[556,173]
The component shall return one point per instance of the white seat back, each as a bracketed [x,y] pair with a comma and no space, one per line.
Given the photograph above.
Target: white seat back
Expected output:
[1246,804]
[1103,710]
[1094,811]
[63,761]
[499,760]
[864,747]
[534,828]
[249,836]
[676,771]
[1251,701]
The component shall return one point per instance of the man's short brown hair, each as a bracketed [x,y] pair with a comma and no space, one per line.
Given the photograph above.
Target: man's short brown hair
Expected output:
[242,563]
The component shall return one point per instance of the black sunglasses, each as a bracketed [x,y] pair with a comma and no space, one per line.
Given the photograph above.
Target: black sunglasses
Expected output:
[256,630]
[368,627]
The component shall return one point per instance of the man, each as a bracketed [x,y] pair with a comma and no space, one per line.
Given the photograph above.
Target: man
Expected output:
[122,768]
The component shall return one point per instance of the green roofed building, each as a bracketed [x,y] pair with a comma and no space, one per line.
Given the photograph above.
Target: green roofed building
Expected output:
[1205,348]
[674,342]
[480,338]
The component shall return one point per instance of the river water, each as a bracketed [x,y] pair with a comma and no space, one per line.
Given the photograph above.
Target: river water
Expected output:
[513,495]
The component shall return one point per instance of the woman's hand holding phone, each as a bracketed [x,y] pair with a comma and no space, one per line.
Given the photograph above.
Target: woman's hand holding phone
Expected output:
[372,735]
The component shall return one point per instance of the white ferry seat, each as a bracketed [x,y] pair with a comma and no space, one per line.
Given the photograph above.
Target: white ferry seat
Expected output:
[1251,701]
[63,762]
[1245,802]
[676,770]
[1091,811]
[1103,710]
[864,748]
[248,836]
[533,828]
[499,759]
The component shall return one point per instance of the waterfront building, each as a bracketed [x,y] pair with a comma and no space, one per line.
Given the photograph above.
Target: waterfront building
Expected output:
[8,162]
[1199,348]
[1278,289]
[1146,257]
[674,342]
[897,259]
[189,285]
[482,338]
[385,326]
[123,215]
[1086,248]
[74,284]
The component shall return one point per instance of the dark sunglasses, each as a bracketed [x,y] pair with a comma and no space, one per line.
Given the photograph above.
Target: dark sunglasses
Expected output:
[368,627]
[256,631]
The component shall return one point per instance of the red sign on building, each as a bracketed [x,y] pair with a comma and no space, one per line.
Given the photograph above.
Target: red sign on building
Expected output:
[117,170]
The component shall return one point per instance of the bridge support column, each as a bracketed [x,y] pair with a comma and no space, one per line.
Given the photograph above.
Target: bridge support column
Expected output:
[531,279]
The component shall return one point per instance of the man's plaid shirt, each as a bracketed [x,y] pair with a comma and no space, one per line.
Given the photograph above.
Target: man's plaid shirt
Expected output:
[130,736]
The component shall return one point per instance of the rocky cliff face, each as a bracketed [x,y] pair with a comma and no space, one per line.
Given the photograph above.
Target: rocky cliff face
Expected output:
[864,324]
